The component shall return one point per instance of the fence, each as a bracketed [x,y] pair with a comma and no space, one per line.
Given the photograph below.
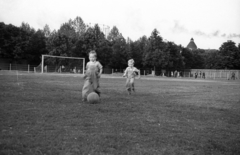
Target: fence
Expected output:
[145,72]
[214,73]
[19,67]
[190,73]
[58,69]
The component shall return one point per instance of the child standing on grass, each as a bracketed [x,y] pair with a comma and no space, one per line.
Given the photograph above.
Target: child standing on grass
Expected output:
[130,73]
[92,75]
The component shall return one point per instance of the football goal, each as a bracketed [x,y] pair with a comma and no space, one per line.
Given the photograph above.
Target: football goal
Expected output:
[61,64]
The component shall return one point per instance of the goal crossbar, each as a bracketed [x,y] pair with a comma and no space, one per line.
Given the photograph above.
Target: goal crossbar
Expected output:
[42,65]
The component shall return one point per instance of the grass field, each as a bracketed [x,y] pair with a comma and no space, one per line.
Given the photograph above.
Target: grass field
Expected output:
[43,114]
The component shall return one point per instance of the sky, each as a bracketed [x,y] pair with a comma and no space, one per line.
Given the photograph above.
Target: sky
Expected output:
[209,22]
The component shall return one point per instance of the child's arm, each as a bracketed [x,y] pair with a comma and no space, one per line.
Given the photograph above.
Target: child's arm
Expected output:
[100,72]
[100,69]
[138,71]
[125,72]
[85,72]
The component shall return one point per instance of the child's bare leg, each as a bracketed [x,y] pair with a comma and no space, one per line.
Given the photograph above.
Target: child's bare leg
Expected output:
[132,84]
[128,86]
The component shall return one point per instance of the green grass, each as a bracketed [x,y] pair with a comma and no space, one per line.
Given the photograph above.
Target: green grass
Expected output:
[43,114]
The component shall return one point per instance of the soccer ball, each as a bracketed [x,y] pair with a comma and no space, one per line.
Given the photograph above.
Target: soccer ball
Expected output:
[93,98]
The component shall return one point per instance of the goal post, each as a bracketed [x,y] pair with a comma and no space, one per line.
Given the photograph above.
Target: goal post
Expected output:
[61,64]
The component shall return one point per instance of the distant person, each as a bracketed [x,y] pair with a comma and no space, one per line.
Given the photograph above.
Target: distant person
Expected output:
[181,74]
[196,75]
[203,75]
[233,76]
[92,76]
[175,73]
[171,73]
[200,74]
[130,73]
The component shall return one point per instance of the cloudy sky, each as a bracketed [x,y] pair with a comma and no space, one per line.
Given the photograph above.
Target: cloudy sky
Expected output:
[209,22]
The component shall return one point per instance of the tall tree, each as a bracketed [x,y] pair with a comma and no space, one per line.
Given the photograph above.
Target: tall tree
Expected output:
[58,44]
[79,26]
[230,55]
[188,58]
[119,49]
[36,47]
[142,45]
[14,41]
[198,59]
[211,59]
[68,38]
[135,51]
[155,56]
[46,31]
[174,58]
[119,55]
[105,52]
[67,30]
[26,27]
[93,39]
[114,34]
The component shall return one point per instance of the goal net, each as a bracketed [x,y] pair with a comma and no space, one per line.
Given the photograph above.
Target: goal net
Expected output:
[60,64]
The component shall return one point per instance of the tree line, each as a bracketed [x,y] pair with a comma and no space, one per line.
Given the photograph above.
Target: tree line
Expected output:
[75,39]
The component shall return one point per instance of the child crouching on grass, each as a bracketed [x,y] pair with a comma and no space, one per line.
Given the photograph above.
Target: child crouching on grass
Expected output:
[130,73]
[92,76]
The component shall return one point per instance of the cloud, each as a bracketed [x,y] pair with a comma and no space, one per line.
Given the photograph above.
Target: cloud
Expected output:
[200,33]
[230,36]
[223,35]
[177,28]
[204,34]
[216,33]
[233,35]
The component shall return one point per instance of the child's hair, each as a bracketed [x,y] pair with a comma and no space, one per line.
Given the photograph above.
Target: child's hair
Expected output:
[93,52]
[131,61]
